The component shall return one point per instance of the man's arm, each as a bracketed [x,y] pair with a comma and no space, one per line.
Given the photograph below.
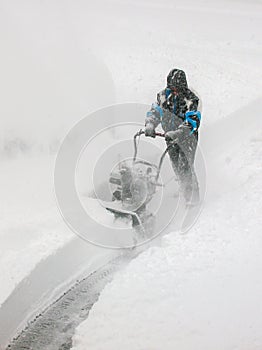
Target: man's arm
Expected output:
[192,116]
[154,115]
[191,122]
[153,118]
[194,100]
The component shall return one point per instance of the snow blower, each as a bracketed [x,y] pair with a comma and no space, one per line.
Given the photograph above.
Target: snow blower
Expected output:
[133,185]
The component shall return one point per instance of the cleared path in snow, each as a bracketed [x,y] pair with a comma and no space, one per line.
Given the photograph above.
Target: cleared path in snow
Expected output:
[47,282]
[54,328]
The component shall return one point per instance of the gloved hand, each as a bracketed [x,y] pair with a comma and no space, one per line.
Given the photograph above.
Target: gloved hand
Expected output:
[171,136]
[150,130]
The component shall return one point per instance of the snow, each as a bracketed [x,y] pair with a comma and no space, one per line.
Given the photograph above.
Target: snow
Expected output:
[63,60]
[30,225]
[47,85]
[199,290]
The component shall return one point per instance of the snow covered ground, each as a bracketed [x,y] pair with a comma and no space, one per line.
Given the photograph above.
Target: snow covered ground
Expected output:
[47,85]
[62,60]
[200,290]
[31,228]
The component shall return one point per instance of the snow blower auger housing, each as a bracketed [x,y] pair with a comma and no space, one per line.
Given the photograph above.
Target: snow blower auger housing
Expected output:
[133,185]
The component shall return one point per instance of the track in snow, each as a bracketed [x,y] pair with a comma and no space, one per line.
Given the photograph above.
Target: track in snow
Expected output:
[54,328]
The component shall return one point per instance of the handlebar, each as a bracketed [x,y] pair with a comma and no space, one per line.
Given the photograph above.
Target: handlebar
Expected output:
[141,132]
[160,134]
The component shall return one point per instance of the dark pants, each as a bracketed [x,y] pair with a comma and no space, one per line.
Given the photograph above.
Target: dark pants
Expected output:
[182,157]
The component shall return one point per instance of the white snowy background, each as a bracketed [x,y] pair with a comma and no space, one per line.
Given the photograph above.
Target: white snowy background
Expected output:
[60,60]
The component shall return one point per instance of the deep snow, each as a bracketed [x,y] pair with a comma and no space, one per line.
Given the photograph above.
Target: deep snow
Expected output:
[197,291]
[31,228]
[62,60]
[200,290]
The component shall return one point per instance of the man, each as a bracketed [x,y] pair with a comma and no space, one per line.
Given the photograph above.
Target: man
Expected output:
[176,110]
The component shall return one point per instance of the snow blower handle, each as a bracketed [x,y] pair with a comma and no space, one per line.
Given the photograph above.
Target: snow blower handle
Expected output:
[160,134]
[142,132]
[138,134]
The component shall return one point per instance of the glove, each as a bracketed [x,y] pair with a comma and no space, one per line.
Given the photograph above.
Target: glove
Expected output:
[171,136]
[150,130]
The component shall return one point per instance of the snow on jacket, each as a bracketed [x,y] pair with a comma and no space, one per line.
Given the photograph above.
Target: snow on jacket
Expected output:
[171,112]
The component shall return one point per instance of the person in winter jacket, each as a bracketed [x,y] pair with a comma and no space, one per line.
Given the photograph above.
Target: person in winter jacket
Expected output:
[177,111]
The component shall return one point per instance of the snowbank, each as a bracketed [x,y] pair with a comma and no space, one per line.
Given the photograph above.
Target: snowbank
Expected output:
[30,225]
[197,291]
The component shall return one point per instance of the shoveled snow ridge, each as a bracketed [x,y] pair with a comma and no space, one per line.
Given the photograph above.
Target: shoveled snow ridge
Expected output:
[53,328]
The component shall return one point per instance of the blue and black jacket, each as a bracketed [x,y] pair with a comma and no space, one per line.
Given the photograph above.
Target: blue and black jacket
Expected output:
[173,112]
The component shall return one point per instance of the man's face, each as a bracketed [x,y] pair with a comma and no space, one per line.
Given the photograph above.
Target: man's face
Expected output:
[173,90]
